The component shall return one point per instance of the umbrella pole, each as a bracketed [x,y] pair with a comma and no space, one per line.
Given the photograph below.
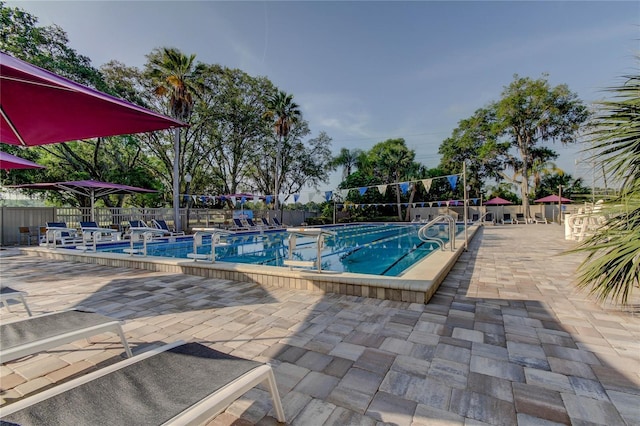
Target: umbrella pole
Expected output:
[93,207]
[176,180]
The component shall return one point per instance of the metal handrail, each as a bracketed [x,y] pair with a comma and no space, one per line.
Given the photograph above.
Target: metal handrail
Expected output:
[422,232]
[215,233]
[144,234]
[319,233]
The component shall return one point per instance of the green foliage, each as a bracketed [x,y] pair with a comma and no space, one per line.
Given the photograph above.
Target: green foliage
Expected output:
[611,269]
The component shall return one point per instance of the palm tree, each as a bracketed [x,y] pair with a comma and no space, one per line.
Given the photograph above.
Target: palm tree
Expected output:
[610,270]
[348,160]
[172,72]
[284,113]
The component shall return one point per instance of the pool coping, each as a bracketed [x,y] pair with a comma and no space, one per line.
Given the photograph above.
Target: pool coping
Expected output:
[417,285]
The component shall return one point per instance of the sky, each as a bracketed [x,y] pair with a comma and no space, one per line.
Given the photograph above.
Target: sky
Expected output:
[366,71]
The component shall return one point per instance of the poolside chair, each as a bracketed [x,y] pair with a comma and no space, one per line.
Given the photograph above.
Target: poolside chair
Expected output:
[265,223]
[506,219]
[58,232]
[162,224]
[488,217]
[538,218]
[277,223]
[475,217]
[180,383]
[238,225]
[417,219]
[520,218]
[252,224]
[92,232]
[7,293]
[26,232]
[43,332]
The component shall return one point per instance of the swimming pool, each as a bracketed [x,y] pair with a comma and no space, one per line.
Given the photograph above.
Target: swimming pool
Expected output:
[378,249]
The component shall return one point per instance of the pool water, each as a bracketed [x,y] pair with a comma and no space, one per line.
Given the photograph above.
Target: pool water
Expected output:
[378,249]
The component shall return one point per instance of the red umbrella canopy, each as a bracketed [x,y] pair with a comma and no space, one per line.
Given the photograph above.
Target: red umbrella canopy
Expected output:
[497,201]
[553,199]
[39,107]
[8,162]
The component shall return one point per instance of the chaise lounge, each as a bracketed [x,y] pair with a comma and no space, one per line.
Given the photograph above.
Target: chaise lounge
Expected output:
[43,332]
[175,384]
[7,293]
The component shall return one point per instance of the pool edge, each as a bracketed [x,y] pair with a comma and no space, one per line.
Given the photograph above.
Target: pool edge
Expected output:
[417,285]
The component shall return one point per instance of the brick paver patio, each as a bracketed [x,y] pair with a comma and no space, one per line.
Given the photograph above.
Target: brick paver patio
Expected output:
[506,339]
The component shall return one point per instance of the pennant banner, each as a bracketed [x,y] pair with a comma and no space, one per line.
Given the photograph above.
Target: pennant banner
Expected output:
[268,199]
[453,180]
[382,189]
[327,195]
[296,197]
[404,187]
[362,190]
[427,184]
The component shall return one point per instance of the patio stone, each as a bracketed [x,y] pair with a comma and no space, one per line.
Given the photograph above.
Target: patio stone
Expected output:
[391,409]
[590,410]
[505,339]
[482,407]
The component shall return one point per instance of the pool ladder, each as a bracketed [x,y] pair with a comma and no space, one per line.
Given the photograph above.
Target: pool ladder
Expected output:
[215,241]
[422,232]
[319,234]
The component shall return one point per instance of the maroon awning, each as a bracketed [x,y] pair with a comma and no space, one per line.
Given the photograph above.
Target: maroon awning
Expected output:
[39,107]
[8,162]
[553,199]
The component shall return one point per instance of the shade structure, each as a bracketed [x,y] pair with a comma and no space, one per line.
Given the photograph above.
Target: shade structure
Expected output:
[39,107]
[89,188]
[8,162]
[554,198]
[497,201]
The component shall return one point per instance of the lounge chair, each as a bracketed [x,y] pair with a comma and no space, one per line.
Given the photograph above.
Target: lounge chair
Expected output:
[175,384]
[488,217]
[417,219]
[58,232]
[277,223]
[43,332]
[506,219]
[265,223]
[252,224]
[238,225]
[162,224]
[538,218]
[26,232]
[7,293]
[91,233]
[520,218]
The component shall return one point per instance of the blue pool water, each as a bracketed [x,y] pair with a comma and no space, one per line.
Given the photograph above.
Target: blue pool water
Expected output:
[379,249]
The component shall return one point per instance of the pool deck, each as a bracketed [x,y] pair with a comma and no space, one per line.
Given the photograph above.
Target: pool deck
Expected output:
[505,340]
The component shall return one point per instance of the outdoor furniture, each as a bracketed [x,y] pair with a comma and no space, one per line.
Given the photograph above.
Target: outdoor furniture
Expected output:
[506,218]
[178,384]
[26,232]
[520,218]
[43,332]
[277,223]
[238,225]
[266,224]
[538,218]
[59,232]
[252,224]
[7,293]
[162,224]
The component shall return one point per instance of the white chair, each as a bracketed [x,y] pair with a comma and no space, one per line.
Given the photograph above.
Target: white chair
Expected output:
[176,384]
[43,332]
[7,293]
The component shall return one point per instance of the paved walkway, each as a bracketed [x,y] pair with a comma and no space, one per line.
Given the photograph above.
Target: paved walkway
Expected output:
[506,339]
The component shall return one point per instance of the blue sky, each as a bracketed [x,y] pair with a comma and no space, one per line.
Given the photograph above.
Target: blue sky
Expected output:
[365,72]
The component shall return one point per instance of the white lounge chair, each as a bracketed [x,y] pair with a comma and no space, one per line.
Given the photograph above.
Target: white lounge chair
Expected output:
[43,332]
[538,218]
[162,224]
[7,293]
[177,384]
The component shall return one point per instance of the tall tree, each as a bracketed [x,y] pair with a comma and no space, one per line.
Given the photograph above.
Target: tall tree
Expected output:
[610,270]
[284,113]
[348,160]
[532,112]
[174,76]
